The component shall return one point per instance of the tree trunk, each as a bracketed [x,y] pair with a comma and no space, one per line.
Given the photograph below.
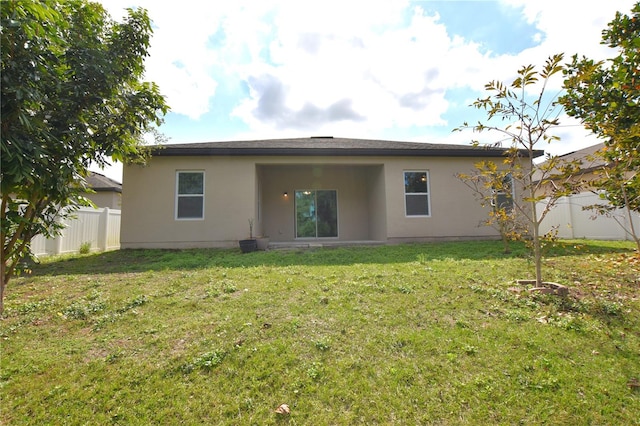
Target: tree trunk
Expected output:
[535,223]
[632,228]
[5,276]
[537,254]
[21,237]
[3,283]
[505,243]
[3,213]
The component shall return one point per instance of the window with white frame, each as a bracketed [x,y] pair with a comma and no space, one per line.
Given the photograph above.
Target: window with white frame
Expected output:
[416,193]
[190,195]
[503,193]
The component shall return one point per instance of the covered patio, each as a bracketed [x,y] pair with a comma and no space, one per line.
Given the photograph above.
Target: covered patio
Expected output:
[305,204]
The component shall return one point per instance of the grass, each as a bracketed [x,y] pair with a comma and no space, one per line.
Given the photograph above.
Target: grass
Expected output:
[410,334]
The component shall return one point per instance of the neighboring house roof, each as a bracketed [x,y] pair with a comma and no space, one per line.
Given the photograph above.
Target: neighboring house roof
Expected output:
[587,157]
[101,183]
[590,161]
[330,146]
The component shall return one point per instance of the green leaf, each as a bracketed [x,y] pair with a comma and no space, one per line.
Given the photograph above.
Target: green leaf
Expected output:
[72,94]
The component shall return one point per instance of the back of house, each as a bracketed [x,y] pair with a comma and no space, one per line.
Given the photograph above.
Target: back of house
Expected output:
[319,190]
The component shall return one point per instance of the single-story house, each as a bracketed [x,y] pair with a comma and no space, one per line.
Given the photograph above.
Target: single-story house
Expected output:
[571,216]
[108,192]
[588,160]
[98,227]
[591,162]
[318,190]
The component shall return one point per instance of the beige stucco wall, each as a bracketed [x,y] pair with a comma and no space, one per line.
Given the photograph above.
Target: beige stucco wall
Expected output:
[455,214]
[103,199]
[148,203]
[377,204]
[351,183]
[370,199]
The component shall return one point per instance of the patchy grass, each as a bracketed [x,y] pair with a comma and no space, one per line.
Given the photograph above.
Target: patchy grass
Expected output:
[410,334]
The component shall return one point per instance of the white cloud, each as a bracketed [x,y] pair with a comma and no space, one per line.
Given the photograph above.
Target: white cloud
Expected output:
[391,75]
[571,27]
[344,67]
[181,59]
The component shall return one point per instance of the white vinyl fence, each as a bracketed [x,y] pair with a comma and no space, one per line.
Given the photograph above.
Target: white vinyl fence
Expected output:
[574,222]
[98,227]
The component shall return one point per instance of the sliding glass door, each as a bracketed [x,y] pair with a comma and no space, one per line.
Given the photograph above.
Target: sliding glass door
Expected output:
[316,214]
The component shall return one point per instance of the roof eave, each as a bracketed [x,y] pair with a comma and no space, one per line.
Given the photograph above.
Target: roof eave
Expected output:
[315,152]
[103,189]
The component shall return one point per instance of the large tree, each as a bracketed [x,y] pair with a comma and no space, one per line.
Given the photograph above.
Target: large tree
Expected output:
[605,96]
[523,115]
[72,94]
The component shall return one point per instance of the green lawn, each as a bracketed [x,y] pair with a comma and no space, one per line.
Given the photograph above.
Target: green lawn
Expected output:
[409,334]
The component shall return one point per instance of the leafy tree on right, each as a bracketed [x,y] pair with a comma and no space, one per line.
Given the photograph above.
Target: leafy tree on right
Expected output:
[605,96]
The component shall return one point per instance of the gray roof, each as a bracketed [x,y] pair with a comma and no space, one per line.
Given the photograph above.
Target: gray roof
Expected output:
[100,183]
[328,146]
[587,157]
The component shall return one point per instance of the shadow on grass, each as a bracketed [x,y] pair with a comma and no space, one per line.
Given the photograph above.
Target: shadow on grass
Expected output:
[122,261]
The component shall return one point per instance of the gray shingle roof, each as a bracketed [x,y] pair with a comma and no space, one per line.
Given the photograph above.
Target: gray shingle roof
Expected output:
[99,183]
[329,146]
[587,156]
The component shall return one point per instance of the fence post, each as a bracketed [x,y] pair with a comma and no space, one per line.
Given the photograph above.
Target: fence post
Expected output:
[635,218]
[572,219]
[52,245]
[59,239]
[103,229]
[632,217]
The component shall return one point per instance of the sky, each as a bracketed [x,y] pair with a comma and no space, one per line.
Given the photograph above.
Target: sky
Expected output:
[379,69]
